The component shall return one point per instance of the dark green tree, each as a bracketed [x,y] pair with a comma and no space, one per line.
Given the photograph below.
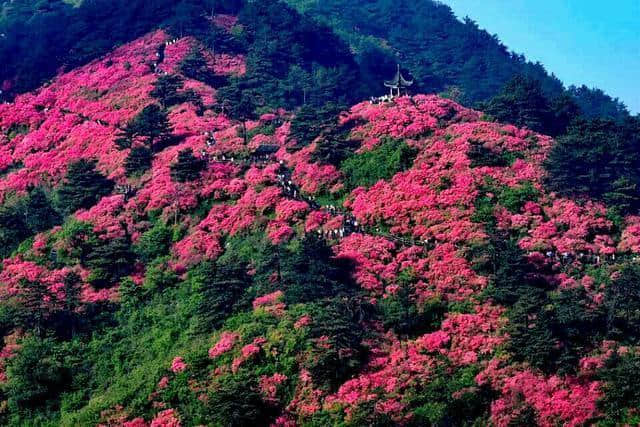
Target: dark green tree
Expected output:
[320,125]
[564,110]
[188,167]
[151,127]
[225,408]
[622,302]
[311,272]
[110,260]
[39,212]
[13,229]
[36,376]
[219,288]
[523,103]
[153,243]
[404,314]
[166,90]
[138,161]
[620,376]
[240,101]
[594,103]
[82,187]
[194,66]
[599,159]
[338,321]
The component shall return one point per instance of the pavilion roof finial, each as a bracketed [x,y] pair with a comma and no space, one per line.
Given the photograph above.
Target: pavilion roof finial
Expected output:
[398,81]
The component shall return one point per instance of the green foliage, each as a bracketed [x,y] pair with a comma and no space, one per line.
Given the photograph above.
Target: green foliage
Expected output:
[404,315]
[384,161]
[21,218]
[482,156]
[594,103]
[305,271]
[621,394]
[305,64]
[153,243]
[523,103]
[320,125]
[599,159]
[138,161]
[218,288]
[77,239]
[166,90]
[514,198]
[39,212]
[151,126]
[36,377]
[310,122]
[12,230]
[239,99]
[194,66]
[451,399]
[82,187]
[150,327]
[110,260]
[226,409]
[338,322]
[188,167]
[549,330]
[622,301]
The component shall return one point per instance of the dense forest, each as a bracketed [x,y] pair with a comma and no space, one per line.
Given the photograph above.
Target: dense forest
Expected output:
[202,223]
[445,55]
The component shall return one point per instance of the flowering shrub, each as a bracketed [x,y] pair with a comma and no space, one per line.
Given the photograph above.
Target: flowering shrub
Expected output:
[417,234]
[269,386]
[556,401]
[166,418]
[178,365]
[225,343]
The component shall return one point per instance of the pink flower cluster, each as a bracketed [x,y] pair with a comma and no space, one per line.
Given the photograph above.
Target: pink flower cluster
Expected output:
[226,342]
[224,21]
[557,401]
[166,418]
[16,271]
[407,117]
[269,386]
[271,303]
[178,365]
[248,352]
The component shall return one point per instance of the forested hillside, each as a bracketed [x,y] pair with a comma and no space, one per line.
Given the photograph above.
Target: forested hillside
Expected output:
[305,62]
[206,225]
[444,54]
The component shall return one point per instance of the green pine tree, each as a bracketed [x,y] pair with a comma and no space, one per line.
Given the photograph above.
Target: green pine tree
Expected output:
[82,187]
[188,167]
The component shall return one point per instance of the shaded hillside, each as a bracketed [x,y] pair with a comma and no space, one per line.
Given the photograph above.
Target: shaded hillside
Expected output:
[38,39]
[443,53]
[304,63]
[399,263]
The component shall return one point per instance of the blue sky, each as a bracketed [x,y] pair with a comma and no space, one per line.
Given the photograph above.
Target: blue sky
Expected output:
[591,42]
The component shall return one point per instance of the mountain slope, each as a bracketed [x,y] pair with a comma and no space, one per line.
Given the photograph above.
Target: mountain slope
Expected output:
[304,63]
[38,39]
[443,53]
[401,263]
